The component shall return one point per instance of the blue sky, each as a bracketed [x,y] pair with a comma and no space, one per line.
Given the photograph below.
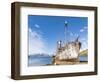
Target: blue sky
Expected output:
[45,31]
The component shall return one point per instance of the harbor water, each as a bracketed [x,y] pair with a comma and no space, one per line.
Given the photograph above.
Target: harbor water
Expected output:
[46,60]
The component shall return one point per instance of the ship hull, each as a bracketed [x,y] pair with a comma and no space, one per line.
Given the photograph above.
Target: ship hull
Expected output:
[68,54]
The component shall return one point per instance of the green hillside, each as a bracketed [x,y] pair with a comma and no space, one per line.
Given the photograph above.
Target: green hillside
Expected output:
[84,52]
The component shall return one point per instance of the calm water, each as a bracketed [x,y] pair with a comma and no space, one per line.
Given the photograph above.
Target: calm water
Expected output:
[39,61]
[83,58]
[45,60]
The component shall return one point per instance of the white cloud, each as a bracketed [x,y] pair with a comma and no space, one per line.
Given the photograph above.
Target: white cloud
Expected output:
[71,34]
[36,43]
[83,29]
[84,43]
[37,26]
[83,39]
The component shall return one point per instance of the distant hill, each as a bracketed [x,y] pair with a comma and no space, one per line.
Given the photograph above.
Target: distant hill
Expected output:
[84,52]
[39,55]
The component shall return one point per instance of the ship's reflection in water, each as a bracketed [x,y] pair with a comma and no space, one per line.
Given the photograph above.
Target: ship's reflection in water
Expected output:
[34,60]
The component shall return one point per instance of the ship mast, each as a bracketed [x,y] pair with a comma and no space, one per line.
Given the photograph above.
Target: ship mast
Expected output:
[66,24]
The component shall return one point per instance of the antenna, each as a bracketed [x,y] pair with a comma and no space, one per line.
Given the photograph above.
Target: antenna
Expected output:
[66,24]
